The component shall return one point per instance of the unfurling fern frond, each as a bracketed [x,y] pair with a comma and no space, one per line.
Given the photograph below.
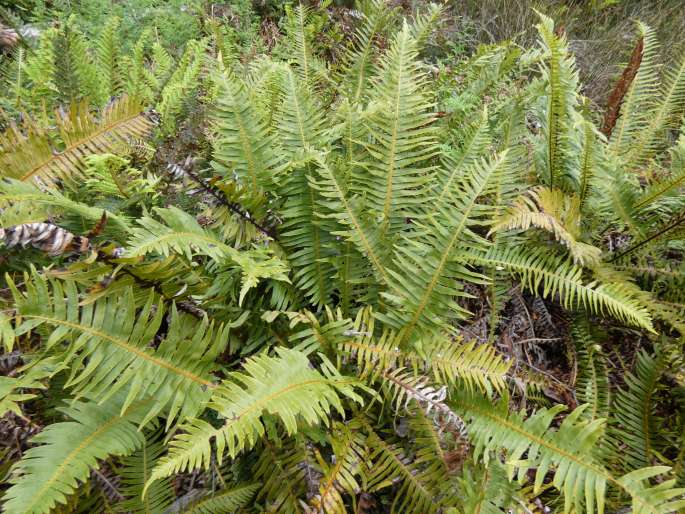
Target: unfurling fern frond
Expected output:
[284,386]
[68,450]
[28,152]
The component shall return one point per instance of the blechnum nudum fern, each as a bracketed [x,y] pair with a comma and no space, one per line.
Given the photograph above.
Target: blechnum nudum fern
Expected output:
[288,320]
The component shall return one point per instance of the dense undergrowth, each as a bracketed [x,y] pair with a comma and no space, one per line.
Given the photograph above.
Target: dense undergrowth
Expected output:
[314,259]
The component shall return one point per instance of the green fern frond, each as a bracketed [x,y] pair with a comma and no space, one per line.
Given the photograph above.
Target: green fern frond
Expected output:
[243,146]
[280,469]
[357,63]
[29,153]
[285,386]
[13,390]
[553,211]
[638,104]
[562,85]
[425,23]
[300,129]
[134,473]
[225,501]
[309,67]
[487,490]
[182,84]
[108,48]
[340,476]
[428,271]
[69,450]
[355,225]
[109,330]
[570,450]
[449,362]
[549,275]
[592,383]
[180,233]
[15,193]
[75,73]
[397,166]
[633,409]
[389,464]
[666,116]
[475,142]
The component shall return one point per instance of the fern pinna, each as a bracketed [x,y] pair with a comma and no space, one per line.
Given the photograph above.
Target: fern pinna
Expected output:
[343,297]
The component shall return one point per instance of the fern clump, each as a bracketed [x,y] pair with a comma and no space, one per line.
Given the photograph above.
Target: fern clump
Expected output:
[298,282]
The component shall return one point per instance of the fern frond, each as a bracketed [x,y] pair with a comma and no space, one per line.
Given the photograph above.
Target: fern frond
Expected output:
[425,23]
[475,142]
[356,227]
[554,212]
[280,470]
[300,128]
[389,464]
[28,152]
[225,501]
[243,146]
[562,84]
[666,116]
[285,386]
[358,60]
[69,450]
[134,473]
[108,48]
[449,362]
[428,272]
[13,389]
[309,67]
[75,73]
[340,476]
[633,409]
[180,233]
[181,85]
[638,104]
[16,194]
[570,450]
[592,386]
[108,330]
[549,275]
[397,167]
